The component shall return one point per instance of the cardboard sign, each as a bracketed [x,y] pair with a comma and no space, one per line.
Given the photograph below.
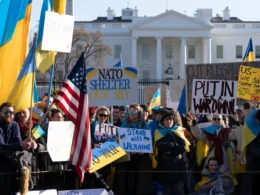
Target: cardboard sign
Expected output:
[57,32]
[84,192]
[112,86]
[214,96]
[109,152]
[105,132]
[60,135]
[249,83]
[217,71]
[41,192]
[135,140]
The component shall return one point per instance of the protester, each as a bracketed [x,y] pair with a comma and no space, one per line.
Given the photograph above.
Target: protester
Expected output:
[116,119]
[145,113]
[92,113]
[56,115]
[42,105]
[122,113]
[134,176]
[170,145]
[210,180]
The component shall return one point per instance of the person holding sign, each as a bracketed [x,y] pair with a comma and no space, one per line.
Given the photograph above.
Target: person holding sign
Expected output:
[134,176]
[170,144]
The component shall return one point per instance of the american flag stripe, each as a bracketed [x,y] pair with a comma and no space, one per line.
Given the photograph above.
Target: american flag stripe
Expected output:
[68,91]
[66,108]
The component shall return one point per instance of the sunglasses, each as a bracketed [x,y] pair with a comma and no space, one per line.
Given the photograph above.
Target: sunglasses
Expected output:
[103,115]
[6,112]
[214,119]
[132,112]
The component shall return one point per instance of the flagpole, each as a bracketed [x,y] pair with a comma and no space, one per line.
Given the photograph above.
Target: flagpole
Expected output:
[33,77]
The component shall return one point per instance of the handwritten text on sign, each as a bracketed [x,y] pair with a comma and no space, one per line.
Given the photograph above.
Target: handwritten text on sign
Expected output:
[105,132]
[112,86]
[249,83]
[109,152]
[135,140]
[214,96]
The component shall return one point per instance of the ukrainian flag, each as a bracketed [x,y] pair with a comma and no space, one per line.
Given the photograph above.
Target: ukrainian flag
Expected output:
[251,130]
[119,64]
[45,59]
[22,92]
[249,55]
[37,132]
[14,27]
[156,100]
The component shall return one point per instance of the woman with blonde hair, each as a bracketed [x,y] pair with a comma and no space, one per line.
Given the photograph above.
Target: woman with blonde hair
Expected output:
[135,175]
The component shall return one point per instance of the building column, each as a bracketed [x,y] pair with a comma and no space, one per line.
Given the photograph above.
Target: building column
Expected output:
[134,51]
[159,58]
[206,50]
[183,58]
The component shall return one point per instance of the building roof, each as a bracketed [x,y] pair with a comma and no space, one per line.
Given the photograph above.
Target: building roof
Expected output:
[219,19]
[105,20]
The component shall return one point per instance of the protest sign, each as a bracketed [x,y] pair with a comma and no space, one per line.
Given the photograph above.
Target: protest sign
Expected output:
[109,152]
[57,32]
[41,192]
[217,71]
[59,149]
[135,140]
[112,86]
[84,192]
[214,96]
[249,83]
[105,132]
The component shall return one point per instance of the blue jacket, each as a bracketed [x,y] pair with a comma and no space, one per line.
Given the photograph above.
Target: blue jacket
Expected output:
[133,125]
[10,136]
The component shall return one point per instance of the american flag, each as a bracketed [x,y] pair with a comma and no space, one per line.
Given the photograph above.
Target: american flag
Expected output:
[73,100]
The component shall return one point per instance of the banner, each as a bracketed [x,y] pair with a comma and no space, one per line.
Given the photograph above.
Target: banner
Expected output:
[41,192]
[135,140]
[84,192]
[109,152]
[58,32]
[217,71]
[112,86]
[249,83]
[105,132]
[59,136]
[214,96]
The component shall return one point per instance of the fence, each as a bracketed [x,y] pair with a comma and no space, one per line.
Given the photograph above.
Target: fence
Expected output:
[42,87]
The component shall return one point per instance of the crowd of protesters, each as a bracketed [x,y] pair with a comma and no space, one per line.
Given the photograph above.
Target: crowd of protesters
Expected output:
[186,159]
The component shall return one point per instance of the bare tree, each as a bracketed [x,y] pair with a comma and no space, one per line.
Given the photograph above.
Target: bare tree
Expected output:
[95,54]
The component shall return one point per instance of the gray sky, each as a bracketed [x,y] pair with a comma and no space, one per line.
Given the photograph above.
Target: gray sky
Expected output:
[88,10]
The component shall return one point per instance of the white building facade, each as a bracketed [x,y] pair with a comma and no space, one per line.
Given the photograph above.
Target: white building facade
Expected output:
[160,46]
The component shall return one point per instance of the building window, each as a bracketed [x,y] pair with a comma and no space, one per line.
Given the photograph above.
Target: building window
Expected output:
[239,51]
[146,52]
[168,51]
[146,74]
[219,51]
[257,51]
[191,51]
[239,25]
[117,51]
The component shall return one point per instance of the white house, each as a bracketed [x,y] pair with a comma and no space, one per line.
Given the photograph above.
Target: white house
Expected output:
[159,46]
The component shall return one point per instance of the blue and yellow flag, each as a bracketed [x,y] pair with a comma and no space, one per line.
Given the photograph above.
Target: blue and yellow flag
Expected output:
[249,55]
[45,59]
[251,130]
[156,100]
[119,64]
[38,132]
[182,103]
[14,28]
[22,92]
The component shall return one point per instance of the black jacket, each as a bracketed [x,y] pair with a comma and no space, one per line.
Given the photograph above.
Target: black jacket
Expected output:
[171,165]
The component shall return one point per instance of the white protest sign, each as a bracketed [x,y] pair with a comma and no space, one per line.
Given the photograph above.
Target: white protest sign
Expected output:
[214,96]
[41,192]
[203,125]
[135,140]
[58,32]
[112,86]
[60,135]
[105,132]
[84,192]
